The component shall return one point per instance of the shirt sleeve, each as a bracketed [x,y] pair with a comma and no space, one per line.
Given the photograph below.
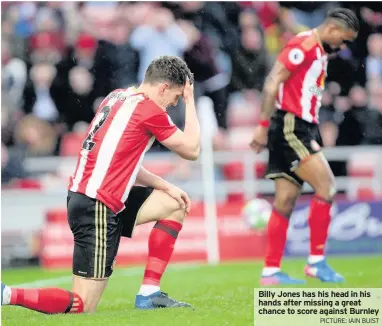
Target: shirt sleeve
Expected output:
[160,126]
[292,57]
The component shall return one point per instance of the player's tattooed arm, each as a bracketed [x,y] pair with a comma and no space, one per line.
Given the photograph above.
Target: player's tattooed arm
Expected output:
[277,75]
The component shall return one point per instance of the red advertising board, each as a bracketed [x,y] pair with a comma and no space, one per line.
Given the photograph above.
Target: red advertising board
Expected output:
[236,240]
[356,228]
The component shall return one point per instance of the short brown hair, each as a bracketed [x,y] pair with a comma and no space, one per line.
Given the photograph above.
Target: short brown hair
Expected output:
[168,69]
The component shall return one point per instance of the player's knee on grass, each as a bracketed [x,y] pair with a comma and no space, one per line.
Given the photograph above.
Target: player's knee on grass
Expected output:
[90,303]
[89,306]
[285,203]
[90,291]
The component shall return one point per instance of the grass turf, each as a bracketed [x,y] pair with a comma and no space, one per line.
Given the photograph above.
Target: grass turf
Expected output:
[222,294]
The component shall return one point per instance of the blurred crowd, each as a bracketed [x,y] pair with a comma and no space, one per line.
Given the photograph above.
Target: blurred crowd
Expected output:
[59,59]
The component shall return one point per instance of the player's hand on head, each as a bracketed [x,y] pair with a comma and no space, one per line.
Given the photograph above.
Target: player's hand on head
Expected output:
[180,196]
[187,201]
[259,139]
[188,92]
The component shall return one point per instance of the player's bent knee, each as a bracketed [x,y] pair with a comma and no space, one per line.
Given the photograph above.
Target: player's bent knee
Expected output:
[177,215]
[285,210]
[285,204]
[326,191]
[174,211]
[326,186]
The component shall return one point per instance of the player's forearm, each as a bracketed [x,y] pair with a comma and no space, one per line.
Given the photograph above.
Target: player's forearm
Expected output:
[148,179]
[192,128]
[268,103]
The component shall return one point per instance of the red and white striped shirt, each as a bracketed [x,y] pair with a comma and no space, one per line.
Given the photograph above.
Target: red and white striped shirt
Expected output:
[307,61]
[122,131]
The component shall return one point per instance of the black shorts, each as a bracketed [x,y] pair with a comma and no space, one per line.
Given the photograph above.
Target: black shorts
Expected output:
[290,141]
[97,231]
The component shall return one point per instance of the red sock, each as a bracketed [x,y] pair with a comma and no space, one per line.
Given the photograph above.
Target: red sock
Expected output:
[319,220]
[277,234]
[161,246]
[48,300]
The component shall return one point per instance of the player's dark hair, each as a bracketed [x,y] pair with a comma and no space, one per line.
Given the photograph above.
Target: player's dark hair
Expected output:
[346,16]
[169,69]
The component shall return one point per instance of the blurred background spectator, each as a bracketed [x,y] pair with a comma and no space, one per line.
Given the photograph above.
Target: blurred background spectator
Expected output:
[59,59]
[374,59]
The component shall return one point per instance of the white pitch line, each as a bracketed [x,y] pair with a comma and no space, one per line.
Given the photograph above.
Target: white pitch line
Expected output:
[118,273]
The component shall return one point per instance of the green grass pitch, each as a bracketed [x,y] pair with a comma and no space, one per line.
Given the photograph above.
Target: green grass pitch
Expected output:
[221,295]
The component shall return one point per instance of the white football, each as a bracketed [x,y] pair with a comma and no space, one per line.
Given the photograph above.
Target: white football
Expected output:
[256,213]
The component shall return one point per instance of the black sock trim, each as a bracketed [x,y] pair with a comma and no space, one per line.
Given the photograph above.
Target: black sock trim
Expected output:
[70,304]
[166,229]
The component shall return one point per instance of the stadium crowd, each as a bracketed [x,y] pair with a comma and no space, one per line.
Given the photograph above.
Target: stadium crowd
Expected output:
[60,58]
